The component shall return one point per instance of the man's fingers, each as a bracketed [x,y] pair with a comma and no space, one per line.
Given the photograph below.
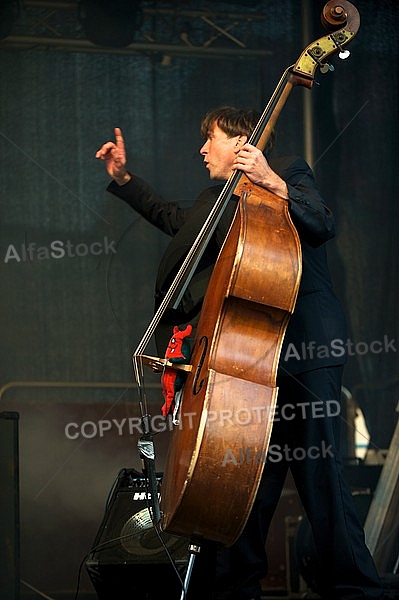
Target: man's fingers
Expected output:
[120,142]
[115,150]
[105,149]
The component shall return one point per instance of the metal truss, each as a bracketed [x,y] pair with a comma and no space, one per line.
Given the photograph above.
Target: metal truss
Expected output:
[165,28]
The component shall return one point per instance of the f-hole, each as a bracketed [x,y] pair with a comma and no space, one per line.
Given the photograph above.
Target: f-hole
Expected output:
[197,385]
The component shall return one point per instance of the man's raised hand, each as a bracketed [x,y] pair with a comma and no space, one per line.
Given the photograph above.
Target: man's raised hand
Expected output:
[114,156]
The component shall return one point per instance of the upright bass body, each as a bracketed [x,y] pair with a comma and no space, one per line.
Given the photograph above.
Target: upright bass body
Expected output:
[217,453]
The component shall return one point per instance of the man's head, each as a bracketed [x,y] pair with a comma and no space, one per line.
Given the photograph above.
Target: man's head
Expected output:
[225,130]
[232,121]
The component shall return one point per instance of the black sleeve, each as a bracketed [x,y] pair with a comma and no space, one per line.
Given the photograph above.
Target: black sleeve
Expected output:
[311,216]
[166,216]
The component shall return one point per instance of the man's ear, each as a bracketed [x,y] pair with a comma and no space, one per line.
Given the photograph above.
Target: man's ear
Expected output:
[241,140]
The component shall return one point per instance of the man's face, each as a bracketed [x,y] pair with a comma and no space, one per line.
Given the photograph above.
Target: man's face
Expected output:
[219,152]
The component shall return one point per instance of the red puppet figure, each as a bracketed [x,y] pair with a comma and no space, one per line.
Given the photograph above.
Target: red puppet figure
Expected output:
[178,351]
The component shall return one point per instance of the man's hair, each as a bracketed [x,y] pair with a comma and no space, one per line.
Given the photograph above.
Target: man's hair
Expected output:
[233,121]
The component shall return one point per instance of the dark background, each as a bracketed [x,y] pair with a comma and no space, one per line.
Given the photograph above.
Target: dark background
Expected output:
[70,324]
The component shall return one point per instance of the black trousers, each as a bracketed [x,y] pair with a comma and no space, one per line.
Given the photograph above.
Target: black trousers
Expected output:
[305,439]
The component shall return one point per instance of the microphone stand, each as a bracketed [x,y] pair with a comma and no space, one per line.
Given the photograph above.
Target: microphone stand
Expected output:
[193,550]
[146,449]
[147,454]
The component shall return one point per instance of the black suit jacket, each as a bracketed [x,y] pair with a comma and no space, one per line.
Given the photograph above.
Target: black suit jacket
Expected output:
[316,333]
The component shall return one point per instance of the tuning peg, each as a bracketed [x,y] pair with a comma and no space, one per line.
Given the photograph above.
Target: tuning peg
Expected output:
[339,38]
[326,67]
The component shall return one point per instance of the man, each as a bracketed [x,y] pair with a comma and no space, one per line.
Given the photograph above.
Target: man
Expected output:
[305,435]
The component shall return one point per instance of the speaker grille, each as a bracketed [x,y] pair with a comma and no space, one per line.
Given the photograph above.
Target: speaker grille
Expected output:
[127,534]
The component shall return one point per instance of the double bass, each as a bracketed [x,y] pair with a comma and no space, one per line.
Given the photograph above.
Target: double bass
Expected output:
[218,448]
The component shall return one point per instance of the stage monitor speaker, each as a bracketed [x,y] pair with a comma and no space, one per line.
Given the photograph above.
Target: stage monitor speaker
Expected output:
[9,506]
[127,558]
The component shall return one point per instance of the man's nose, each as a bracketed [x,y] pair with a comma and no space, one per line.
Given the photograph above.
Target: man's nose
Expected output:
[203,150]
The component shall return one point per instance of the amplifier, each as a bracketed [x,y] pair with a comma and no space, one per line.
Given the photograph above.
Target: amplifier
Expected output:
[129,555]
